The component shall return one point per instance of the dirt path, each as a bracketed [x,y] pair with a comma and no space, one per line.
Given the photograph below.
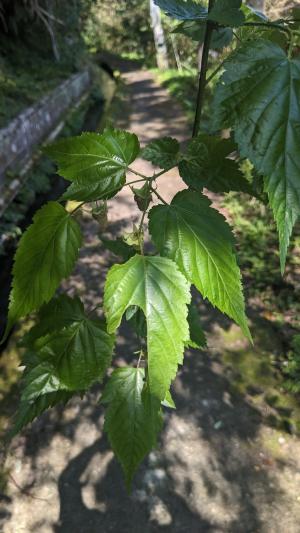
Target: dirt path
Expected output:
[219,468]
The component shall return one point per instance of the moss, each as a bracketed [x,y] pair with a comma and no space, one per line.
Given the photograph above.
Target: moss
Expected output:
[252,373]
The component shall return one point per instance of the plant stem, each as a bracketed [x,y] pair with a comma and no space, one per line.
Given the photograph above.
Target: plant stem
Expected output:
[137,173]
[78,207]
[158,196]
[140,232]
[203,70]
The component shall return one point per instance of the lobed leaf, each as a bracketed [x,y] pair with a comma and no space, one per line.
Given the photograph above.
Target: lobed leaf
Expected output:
[156,286]
[200,241]
[259,95]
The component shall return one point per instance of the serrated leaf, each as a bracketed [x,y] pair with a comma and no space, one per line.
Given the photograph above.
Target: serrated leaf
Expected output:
[137,320]
[80,353]
[41,380]
[46,254]
[259,96]
[90,192]
[28,411]
[182,9]
[195,30]
[162,152]
[66,353]
[133,418]
[200,241]
[156,286]
[78,348]
[119,247]
[60,312]
[93,158]
[227,13]
[260,31]
[207,164]
[197,338]
[168,401]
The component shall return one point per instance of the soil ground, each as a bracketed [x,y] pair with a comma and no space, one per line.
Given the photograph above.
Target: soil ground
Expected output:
[220,466]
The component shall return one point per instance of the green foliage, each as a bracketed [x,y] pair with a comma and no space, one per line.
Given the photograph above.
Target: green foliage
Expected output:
[197,337]
[54,239]
[68,350]
[199,240]
[292,369]
[206,164]
[163,152]
[97,160]
[119,247]
[266,129]
[133,418]
[227,13]
[182,9]
[195,29]
[162,293]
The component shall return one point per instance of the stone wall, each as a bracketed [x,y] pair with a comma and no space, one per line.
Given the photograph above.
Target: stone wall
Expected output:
[20,138]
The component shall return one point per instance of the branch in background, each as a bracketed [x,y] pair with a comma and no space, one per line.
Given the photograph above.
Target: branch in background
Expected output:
[203,72]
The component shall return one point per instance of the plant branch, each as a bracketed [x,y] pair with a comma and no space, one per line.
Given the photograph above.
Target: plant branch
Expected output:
[77,208]
[137,173]
[158,196]
[203,70]
[140,232]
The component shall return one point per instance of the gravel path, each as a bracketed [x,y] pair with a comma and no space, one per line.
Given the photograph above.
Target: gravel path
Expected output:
[219,467]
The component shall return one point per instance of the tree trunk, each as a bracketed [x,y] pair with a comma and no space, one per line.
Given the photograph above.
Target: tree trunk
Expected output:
[159,37]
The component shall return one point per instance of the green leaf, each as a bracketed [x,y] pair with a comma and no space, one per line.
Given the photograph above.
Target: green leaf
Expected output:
[182,9]
[41,380]
[46,254]
[133,418]
[259,96]
[197,338]
[260,31]
[168,401]
[227,13]
[28,411]
[80,353]
[92,157]
[90,192]
[207,164]
[156,286]
[162,153]
[195,30]
[119,247]
[60,312]
[78,348]
[66,353]
[198,238]
[137,320]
